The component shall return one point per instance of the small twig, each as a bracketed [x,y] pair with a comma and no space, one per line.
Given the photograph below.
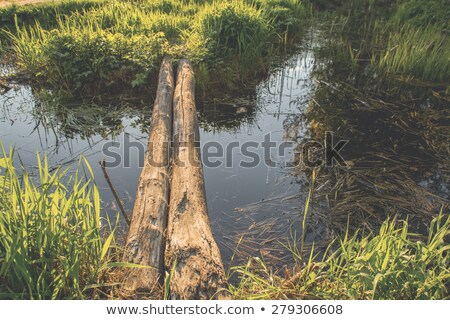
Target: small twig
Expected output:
[116,196]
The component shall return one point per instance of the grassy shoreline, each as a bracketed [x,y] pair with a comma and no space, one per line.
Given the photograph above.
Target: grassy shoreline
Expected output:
[392,264]
[403,38]
[92,47]
[52,242]
[53,245]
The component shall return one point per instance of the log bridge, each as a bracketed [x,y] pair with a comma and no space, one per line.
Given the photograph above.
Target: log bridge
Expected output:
[169,231]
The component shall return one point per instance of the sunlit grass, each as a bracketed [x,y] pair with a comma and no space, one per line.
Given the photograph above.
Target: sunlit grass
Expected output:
[423,13]
[231,27]
[418,51]
[87,59]
[409,39]
[118,44]
[390,264]
[54,243]
[45,12]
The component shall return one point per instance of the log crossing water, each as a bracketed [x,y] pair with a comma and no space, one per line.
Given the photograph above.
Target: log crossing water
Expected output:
[170,228]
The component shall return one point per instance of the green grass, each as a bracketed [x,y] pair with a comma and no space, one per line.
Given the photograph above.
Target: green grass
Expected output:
[417,41]
[131,19]
[119,44]
[423,13]
[231,28]
[53,242]
[419,51]
[405,39]
[391,264]
[45,13]
[88,60]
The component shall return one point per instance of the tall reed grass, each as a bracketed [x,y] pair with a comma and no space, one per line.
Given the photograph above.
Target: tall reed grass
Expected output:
[390,264]
[405,38]
[231,28]
[423,13]
[418,51]
[54,244]
[415,41]
[88,59]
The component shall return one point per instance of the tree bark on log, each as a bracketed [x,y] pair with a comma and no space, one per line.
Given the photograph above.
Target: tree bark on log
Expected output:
[146,237]
[192,256]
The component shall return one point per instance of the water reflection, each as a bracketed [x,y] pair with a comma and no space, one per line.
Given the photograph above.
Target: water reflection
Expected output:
[398,150]
[65,132]
[259,207]
[397,155]
[241,201]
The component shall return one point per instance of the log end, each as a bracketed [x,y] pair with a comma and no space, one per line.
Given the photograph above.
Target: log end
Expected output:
[143,282]
[197,277]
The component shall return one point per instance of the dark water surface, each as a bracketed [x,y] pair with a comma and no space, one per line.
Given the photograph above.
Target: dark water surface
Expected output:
[397,154]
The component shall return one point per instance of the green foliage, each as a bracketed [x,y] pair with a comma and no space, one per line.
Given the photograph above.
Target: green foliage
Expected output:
[118,44]
[231,28]
[406,38]
[88,59]
[392,264]
[102,59]
[286,16]
[238,39]
[130,19]
[45,13]
[417,40]
[419,51]
[52,245]
[27,45]
[423,13]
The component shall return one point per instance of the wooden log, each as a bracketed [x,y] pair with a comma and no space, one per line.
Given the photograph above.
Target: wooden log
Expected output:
[146,236]
[192,256]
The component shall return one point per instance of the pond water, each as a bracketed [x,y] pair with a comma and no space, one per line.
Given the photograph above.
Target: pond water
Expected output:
[397,153]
